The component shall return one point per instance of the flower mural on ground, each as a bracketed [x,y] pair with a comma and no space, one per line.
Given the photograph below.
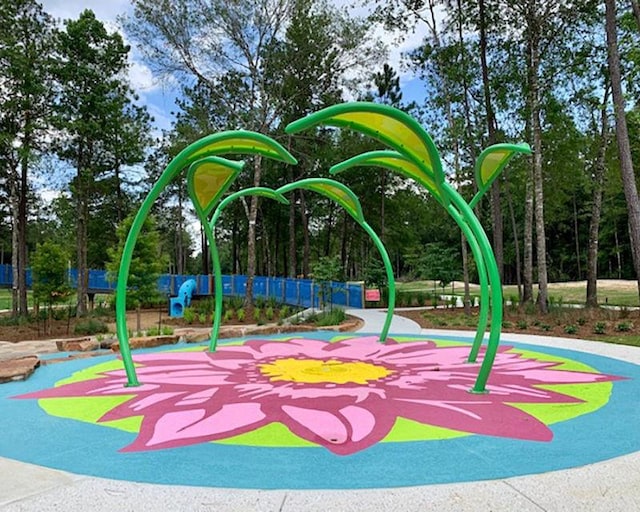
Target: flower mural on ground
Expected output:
[345,396]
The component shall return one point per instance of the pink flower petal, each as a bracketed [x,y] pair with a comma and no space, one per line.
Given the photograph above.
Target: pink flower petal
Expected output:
[314,424]
[493,419]
[182,428]
[362,421]
[351,430]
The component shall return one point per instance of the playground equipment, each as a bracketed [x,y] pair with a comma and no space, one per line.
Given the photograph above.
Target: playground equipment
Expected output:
[237,142]
[414,155]
[183,300]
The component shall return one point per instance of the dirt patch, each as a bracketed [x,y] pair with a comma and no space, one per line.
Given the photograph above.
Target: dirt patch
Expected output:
[565,322]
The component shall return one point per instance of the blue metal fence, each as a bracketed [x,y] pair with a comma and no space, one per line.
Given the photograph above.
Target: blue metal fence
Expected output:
[297,292]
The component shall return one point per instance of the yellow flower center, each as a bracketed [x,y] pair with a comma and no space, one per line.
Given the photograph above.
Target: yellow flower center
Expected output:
[315,371]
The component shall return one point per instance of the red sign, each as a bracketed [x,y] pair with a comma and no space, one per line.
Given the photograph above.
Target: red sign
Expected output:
[372,295]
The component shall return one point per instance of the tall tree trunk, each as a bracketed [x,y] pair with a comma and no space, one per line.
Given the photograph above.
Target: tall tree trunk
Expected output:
[465,272]
[516,243]
[180,256]
[234,247]
[534,106]
[292,263]
[251,238]
[576,236]
[496,205]
[622,135]
[596,207]
[22,234]
[306,250]
[82,214]
[329,228]
[636,12]
[343,242]
[81,252]
[527,259]
[468,130]
[14,201]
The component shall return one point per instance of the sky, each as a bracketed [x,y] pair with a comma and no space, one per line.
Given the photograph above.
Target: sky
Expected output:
[160,98]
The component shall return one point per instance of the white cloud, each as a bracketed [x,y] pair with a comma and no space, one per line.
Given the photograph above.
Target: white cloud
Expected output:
[151,90]
[106,11]
[141,77]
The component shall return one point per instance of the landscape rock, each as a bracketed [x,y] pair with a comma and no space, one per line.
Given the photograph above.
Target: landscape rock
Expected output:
[18,369]
[196,336]
[148,342]
[77,345]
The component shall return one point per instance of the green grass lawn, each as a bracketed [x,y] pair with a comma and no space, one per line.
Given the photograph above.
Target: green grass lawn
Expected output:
[611,292]
[5,298]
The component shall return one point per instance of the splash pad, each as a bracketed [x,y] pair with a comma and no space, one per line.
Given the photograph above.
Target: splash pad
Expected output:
[321,411]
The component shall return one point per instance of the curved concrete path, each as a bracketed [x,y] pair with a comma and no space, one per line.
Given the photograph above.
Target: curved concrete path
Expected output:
[374,321]
[612,485]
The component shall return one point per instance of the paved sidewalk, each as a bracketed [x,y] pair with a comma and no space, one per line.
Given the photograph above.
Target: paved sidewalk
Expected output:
[612,485]
[374,321]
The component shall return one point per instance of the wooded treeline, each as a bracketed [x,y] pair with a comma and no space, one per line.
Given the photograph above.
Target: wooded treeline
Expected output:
[561,76]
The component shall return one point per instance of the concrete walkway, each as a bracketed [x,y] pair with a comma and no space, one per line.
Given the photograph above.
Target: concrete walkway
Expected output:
[612,485]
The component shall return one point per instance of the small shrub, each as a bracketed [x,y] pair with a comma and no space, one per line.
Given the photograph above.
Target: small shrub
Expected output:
[513,301]
[268,313]
[333,317]
[90,326]
[59,314]
[240,314]
[189,315]
[166,330]
[202,318]
[236,302]
[257,314]
[284,311]
[545,327]
[581,320]
[153,331]
[624,326]
[228,315]
[522,324]
[599,328]
[570,329]
[507,325]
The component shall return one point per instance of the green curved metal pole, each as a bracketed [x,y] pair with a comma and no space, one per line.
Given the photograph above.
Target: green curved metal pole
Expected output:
[495,293]
[394,161]
[217,272]
[483,315]
[351,204]
[125,263]
[398,130]
[241,142]
[390,279]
